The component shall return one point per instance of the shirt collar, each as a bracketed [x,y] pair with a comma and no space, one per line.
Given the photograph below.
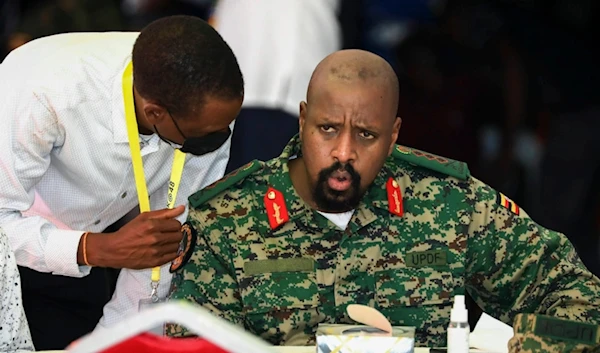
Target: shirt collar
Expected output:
[373,203]
[118,108]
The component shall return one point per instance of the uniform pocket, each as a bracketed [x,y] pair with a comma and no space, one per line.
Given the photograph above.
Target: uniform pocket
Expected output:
[281,307]
[280,291]
[413,287]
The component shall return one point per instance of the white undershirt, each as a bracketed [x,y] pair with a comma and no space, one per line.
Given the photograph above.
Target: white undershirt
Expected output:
[339,219]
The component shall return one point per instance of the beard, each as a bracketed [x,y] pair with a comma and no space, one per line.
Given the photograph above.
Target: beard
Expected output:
[337,201]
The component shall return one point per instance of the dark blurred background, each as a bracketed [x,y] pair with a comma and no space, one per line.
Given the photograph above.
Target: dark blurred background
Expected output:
[508,86]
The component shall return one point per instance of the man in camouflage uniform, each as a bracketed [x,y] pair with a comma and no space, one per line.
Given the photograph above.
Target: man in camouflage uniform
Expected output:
[346,216]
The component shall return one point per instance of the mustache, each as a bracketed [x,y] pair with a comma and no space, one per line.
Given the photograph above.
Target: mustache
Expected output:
[338,167]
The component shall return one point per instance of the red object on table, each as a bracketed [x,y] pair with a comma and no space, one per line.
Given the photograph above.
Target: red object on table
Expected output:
[150,343]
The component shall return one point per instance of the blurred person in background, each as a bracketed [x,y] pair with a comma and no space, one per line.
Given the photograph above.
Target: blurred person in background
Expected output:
[277,43]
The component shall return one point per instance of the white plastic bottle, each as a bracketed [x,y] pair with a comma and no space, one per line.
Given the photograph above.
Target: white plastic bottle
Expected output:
[458,330]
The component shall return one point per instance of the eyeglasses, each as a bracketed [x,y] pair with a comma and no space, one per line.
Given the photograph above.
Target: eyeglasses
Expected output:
[198,145]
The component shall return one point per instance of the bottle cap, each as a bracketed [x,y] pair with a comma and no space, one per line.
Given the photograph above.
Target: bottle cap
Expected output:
[459,310]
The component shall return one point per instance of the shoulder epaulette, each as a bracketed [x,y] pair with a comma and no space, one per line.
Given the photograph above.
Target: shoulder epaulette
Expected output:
[431,161]
[227,181]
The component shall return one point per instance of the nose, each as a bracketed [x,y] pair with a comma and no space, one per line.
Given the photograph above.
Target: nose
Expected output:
[344,150]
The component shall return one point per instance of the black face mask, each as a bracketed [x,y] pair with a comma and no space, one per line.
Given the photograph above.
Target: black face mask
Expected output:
[199,146]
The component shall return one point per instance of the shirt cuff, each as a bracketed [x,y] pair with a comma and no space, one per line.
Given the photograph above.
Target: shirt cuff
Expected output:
[61,253]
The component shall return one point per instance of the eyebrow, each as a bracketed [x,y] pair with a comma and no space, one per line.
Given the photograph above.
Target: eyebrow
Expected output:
[334,121]
[327,120]
[366,126]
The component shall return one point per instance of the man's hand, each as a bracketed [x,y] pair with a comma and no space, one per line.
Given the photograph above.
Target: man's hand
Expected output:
[150,239]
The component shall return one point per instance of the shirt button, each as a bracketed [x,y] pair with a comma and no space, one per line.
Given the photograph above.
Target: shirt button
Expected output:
[97,222]
[124,195]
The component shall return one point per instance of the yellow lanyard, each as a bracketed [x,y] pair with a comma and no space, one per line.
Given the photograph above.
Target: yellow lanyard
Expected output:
[136,160]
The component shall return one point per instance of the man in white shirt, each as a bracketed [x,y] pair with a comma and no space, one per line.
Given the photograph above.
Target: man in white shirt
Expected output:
[14,332]
[73,113]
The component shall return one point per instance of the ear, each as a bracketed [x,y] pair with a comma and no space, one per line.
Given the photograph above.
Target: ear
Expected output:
[395,132]
[154,113]
[302,117]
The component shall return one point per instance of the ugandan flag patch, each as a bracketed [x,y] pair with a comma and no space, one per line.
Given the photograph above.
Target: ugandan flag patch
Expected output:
[507,203]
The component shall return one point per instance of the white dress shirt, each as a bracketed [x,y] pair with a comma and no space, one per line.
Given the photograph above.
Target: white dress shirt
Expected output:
[65,165]
[278,44]
[14,332]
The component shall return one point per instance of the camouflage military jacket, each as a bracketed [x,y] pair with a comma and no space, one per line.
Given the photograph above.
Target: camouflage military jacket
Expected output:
[424,231]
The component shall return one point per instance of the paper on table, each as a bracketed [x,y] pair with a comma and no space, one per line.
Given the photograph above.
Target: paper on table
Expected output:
[491,335]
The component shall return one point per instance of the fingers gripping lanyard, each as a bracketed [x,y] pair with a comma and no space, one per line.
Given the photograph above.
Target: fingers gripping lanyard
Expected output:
[138,167]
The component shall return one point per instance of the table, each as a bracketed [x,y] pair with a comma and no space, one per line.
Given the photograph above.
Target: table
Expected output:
[489,336]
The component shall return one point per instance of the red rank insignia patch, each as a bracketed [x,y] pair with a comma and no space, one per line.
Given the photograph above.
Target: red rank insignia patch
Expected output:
[507,203]
[276,209]
[394,195]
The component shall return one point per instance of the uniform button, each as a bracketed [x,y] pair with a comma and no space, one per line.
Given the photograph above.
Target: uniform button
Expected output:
[97,222]
[124,195]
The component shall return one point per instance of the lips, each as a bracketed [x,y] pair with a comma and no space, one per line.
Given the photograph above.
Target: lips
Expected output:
[340,180]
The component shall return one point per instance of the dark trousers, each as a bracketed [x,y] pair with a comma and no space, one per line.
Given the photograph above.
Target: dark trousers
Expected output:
[260,134]
[61,309]
[570,185]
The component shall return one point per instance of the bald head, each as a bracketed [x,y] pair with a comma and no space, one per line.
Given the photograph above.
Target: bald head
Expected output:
[355,67]
[348,127]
